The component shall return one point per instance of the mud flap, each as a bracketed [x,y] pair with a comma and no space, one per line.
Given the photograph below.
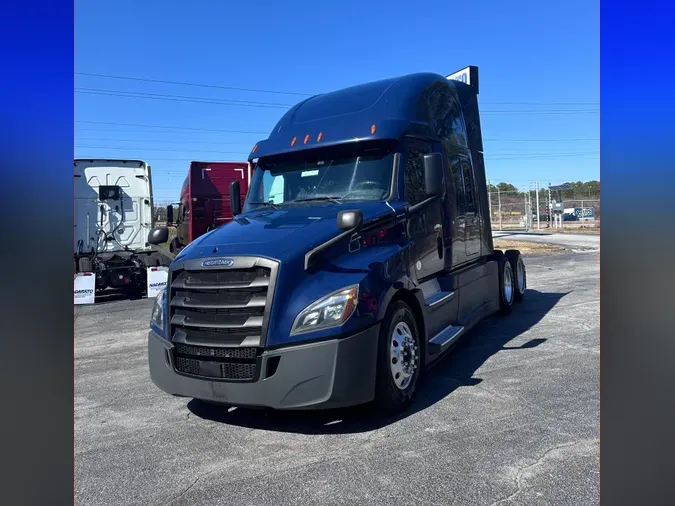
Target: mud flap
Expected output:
[85,288]
[156,280]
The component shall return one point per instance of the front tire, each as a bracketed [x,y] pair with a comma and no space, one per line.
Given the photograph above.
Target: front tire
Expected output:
[399,359]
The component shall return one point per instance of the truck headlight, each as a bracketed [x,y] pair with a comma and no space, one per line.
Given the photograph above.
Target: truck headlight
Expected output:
[157,317]
[330,311]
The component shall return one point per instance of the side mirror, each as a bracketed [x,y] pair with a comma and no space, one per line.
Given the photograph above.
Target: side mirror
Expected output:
[158,236]
[235,198]
[169,214]
[433,174]
[348,220]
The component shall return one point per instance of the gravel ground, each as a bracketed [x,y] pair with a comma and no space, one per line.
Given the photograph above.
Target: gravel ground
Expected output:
[581,242]
[509,417]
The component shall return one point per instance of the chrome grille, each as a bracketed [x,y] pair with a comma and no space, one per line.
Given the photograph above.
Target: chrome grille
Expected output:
[218,316]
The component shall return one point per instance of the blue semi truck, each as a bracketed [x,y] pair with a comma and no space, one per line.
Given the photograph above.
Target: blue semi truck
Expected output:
[362,253]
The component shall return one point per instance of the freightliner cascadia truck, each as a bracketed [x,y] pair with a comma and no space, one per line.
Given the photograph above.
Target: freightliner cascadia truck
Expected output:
[205,199]
[363,252]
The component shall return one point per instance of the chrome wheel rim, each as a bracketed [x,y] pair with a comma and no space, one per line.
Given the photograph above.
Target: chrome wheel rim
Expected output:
[520,275]
[508,282]
[403,356]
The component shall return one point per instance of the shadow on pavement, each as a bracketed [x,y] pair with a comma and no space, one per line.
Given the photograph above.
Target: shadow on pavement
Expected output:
[455,370]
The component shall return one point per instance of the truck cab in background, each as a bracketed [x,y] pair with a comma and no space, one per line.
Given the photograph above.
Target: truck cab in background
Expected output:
[113,216]
[362,254]
[205,199]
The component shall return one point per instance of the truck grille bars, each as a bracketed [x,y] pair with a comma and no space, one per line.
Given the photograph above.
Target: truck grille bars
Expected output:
[218,316]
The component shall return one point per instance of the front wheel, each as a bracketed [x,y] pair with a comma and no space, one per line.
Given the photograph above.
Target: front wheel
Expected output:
[399,359]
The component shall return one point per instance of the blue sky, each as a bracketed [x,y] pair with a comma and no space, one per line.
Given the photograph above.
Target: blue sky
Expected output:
[538,62]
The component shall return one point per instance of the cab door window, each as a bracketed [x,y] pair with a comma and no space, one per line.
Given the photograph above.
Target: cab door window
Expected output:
[469,190]
[414,170]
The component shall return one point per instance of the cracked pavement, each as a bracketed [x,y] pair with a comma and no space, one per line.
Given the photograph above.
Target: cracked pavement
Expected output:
[510,417]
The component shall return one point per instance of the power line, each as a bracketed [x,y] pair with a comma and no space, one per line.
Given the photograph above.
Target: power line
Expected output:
[161,149]
[541,112]
[180,98]
[514,157]
[542,103]
[552,156]
[515,153]
[181,141]
[277,92]
[171,127]
[218,142]
[540,140]
[274,105]
[217,130]
[197,85]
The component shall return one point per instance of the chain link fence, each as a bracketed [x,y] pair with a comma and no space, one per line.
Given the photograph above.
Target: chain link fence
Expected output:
[532,209]
[514,209]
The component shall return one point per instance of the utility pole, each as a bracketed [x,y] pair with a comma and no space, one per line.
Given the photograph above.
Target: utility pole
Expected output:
[499,203]
[550,210]
[537,202]
[527,214]
[490,201]
[529,206]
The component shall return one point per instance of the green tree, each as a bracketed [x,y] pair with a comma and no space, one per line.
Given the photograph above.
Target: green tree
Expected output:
[507,188]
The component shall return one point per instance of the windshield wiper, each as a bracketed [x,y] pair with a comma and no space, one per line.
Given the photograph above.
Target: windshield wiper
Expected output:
[269,204]
[335,200]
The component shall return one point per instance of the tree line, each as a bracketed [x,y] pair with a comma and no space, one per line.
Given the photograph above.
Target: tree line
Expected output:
[579,190]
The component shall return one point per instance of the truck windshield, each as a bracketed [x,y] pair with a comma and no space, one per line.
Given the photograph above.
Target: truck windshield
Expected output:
[332,180]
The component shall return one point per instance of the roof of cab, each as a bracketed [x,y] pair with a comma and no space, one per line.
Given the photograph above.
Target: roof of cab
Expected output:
[116,160]
[349,114]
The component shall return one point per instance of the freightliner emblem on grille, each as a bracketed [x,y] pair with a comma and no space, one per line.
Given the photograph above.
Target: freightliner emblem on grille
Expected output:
[223,262]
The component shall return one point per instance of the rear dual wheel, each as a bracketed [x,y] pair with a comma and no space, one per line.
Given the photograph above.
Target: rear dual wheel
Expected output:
[506,284]
[519,274]
[512,279]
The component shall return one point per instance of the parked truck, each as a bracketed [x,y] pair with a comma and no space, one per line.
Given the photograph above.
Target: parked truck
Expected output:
[113,216]
[363,252]
[205,199]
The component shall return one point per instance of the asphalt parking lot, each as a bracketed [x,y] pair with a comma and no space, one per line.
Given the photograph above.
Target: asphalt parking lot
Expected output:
[509,417]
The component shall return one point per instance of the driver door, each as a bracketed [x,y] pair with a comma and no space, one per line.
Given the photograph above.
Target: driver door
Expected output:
[425,227]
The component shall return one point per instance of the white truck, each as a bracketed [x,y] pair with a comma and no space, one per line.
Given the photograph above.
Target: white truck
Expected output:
[113,215]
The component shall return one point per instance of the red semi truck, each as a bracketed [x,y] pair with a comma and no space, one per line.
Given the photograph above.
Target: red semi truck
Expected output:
[205,199]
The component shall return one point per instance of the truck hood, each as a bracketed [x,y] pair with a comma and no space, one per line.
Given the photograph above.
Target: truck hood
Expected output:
[282,234]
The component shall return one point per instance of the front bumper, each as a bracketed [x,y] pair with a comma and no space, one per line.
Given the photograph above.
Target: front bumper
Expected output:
[327,374]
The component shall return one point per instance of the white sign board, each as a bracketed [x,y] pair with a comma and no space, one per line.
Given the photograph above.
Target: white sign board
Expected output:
[156,280]
[85,288]
[468,75]
[463,76]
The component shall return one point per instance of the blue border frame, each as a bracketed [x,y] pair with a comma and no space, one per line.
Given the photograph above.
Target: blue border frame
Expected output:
[637,250]
[36,147]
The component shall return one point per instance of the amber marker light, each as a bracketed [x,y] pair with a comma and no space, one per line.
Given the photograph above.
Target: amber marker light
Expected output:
[306,138]
[295,139]
[319,137]
[373,128]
